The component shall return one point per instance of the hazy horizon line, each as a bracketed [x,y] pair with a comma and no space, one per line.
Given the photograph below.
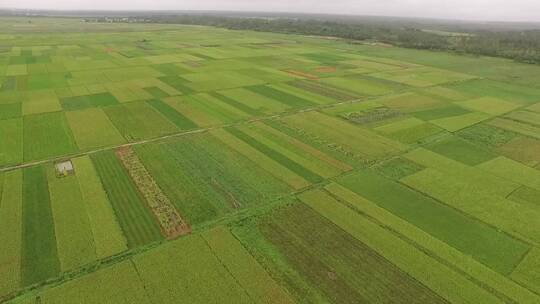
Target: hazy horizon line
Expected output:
[268,12]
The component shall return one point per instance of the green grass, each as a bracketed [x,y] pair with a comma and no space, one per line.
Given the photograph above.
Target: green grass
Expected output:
[133,215]
[47,135]
[39,257]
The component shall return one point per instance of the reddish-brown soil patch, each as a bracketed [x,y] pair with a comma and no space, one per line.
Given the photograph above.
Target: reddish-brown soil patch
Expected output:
[302,74]
[325,69]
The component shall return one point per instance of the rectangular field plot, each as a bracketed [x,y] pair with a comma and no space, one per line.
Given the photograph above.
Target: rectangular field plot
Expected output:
[516,126]
[88,101]
[341,268]
[204,179]
[362,86]
[75,243]
[92,129]
[491,280]
[255,103]
[456,123]
[11,149]
[480,241]
[10,110]
[408,130]
[526,273]
[139,120]
[448,283]
[488,207]
[363,143]
[41,106]
[107,235]
[489,105]
[116,284]
[137,223]
[47,135]
[206,110]
[423,76]
[409,102]
[172,115]
[461,150]
[202,275]
[526,117]
[11,227]
[39,257]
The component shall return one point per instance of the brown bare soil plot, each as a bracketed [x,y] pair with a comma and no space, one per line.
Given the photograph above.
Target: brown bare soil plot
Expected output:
[170,221]
[301,74]
[325,69]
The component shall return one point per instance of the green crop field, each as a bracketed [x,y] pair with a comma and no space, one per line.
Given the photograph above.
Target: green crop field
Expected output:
[163,163]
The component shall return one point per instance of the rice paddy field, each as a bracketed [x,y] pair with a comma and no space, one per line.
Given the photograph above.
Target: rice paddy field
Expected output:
[213,166]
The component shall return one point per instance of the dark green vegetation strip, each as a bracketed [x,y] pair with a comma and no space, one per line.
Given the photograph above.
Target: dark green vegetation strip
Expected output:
[177,83]
[171,114]
[205,180]
[344,269]
[278,157]
[134,217]
[283,97]
[156,92]
[484,243]
[10,110]
[461,150]
[39,259]
[88,101]
[235,104]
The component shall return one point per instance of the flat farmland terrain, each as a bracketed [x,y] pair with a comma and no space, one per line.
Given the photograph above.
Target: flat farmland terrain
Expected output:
[160,163]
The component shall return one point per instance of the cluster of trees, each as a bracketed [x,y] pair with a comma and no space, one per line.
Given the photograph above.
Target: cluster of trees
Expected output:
[519,43]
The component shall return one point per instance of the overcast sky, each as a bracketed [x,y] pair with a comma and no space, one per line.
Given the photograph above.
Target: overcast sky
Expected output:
[505,10]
